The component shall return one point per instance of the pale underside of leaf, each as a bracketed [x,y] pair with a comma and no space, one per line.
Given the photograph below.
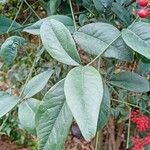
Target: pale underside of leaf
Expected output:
[84,91]
[59,43]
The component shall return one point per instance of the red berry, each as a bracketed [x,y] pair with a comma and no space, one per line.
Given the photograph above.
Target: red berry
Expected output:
[143,13]
[143,3]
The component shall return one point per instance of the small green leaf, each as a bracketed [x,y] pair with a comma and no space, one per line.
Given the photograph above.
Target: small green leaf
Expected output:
[53,119]
[94,38]
[137,37]
[84,92]
[59,43]
[130,81]
[54,4]
[104,109]
[36,84]
[8,51]
[7,102]
[5,23]
[35,28]
[122,13]
[26,114]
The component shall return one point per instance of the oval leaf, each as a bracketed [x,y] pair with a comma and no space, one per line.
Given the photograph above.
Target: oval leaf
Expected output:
[8,51]
[36,84]
[35,28]
[5,24]
[94,38]
[84,92]
[137,37]
[104,109]
[130,81]
[59,43]
[26,114]
[53,119]
[7,102]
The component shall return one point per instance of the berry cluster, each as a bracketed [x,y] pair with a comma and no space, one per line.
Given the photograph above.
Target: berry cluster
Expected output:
[143,125]
[143,12]
[139,143]
[142,122]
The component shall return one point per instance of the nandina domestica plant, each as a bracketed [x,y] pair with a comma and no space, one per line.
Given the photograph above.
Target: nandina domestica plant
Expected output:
[105,52]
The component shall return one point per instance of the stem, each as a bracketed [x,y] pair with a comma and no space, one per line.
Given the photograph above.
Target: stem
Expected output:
[74,21]
[97,141]
[32,9]
[134,21]
[128,137]
[15,17]
[103,51]
[129,104]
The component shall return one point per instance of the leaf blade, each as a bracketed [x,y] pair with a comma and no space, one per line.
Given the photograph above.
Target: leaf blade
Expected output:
[94,38]
[130,81]
[7,102]
[36,84]
[53,115]
[59,43]
[137,37]
[77,85]
[26,114]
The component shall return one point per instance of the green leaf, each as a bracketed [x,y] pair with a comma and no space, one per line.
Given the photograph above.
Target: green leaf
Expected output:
[7,102]
[94,38]
[8,51]
[84,92]
[143,68]
[26,114]
[104,109]
[137,36]
[5,23]
[59,43]
[53,119]
[122,13]
[130,81]
[54,4]
[35,28]
[36,84]
[101,4]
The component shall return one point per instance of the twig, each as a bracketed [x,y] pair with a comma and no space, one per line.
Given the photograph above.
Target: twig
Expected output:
[128,136]
[32,9]
[74,21]
[15,17]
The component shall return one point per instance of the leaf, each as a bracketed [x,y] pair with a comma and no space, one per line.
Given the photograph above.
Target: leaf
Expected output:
[7,102]
[35,28]
[54,4]
[8,51]
[130,81]
[53,119]
[104,109]
[26,114]
[102,4]
[5,23]
[137,37]
[36,84]
[122,13]
[143,68]
[84,92]
[94,38]
[58,41]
